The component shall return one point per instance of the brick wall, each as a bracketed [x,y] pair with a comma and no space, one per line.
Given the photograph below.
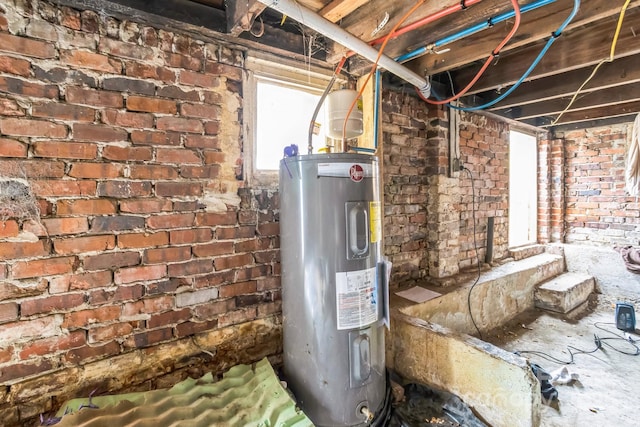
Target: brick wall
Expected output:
[130,254]
[484,148]
[598,209]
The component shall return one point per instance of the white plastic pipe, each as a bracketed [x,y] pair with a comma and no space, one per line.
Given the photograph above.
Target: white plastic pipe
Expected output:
[334,32]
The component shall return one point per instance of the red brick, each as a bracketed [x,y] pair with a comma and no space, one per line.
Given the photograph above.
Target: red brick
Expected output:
[169,318]
[90,60]
[87,353]
[78,95]
[26,127]
[237,317]
[145,71]
[45,267]
[153,172]
[151,105]
[148,306]
[249,273]
[177,155]
[191,328]
[155,138]
[269,229]
[253,245]
[215,219]
[15,250]
[139,274]
[65,150]
[8,312]
[109,224]
[179,124]
[198,79]
[201,141]
[235,289]
[267,257]
[213,249]
[121,293]
[22,370]
[214,308]
[268,284]
[77,245]
[111,261]
[214,157]
[84,281]
[16,66]
[57,110]
[212,128]
[183,61]
[9,107]
[70,18]
[86,207]
[113,152]
[145,205]
[80,319]
[200,172]
[194,235]
[123,84]
[124,189]
[98,133]
[228,71]
[27,47]
[166,255]
[175,92]
[125,50]
[110,332]
[6,354]
[178,189]
[50,304]
[209,112]
[143,240]
[211,97]
[96,170]
[233,261]
[236,232]
[8,228]
[127,119]
[170,221]
[50,188]
[21,87]
[4,24]
[49,346]
[200,266]
[146,339]
[59,226]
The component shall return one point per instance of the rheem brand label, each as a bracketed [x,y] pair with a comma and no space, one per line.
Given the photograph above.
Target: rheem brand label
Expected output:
[356,173]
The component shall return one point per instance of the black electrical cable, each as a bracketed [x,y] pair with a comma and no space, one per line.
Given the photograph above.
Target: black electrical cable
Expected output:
[475,244]
[617,336]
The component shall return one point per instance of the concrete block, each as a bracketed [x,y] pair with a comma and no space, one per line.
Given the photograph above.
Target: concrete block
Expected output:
[526,251]
[565,292]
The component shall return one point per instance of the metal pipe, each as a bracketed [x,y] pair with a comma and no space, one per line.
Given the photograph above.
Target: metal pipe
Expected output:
[376,108]
[323,26]
[317,110]
[471,30]
[488,256]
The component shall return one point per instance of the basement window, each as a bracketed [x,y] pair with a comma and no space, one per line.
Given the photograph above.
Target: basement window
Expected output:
[283,114]
[281,96]
[523,189]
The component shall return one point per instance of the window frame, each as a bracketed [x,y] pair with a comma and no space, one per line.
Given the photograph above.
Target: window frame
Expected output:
[281,71]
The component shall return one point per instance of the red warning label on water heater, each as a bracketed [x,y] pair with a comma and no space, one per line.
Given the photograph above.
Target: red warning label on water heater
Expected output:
[356,173]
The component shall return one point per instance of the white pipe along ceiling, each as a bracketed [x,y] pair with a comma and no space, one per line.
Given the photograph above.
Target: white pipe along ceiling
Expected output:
[327,28]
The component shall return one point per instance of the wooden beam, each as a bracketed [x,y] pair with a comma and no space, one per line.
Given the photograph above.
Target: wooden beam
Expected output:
[623,109]
[241,15]
[580,48]
[338,9]
[619,72]
[586,100]
[558,131]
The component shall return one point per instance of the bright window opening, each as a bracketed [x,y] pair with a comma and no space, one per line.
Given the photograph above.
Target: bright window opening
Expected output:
[283,115]
[523,189]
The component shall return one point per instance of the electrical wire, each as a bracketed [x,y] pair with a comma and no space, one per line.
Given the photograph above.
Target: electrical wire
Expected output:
[375,65]
[554,36]
[595,70]
[475,244]
[494,54]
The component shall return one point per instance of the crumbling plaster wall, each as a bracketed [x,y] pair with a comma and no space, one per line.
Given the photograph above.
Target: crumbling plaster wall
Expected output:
[143,258]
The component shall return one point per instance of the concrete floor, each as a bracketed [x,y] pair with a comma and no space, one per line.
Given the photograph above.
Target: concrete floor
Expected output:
[607,391]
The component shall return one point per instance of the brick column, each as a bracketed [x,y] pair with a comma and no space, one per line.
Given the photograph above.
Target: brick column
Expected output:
[551,194]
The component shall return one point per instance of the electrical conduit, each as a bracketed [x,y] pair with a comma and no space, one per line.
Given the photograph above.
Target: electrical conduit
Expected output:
[554,36]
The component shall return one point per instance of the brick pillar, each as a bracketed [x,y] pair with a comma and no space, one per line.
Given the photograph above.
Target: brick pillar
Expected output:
[443,219]
[551,197]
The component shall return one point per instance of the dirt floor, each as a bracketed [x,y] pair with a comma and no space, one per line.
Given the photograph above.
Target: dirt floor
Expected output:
[608,388]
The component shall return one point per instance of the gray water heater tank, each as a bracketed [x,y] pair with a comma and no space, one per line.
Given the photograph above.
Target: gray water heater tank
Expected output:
[333,286]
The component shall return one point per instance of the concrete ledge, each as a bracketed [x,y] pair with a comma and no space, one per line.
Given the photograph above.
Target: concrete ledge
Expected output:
[498,385]
[526,251]
[565,292]
[501,294]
